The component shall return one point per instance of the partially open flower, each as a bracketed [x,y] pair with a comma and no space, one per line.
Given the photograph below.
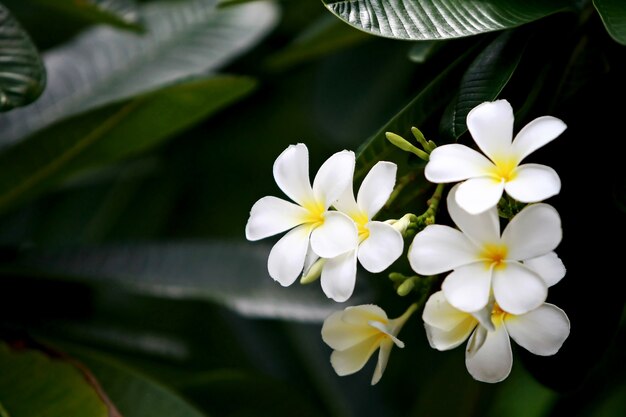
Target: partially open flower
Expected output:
[485,179]
[357,332]
[488,355]
[517,266]
[328,233]
[379,243]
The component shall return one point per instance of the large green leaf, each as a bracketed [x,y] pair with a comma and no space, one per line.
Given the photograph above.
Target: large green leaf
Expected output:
[484,79]
[182,39]
[440,19]
[33,383]
[119,13]
[613,14]
[228,273]
[22,74]
[110,133]
[133,394]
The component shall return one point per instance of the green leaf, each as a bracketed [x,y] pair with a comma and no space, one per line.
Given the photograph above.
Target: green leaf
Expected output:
[485,78]
[103,65]
[35,384]
[228,273]
[119,13]
[111,133]
[22,74]
[133,394]
[228,392]
[520,395]
[440,19]
[324,36]
[613,14]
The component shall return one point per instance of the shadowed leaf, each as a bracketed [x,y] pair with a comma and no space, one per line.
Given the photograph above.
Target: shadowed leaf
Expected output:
[22,74]
[613,14]
[119,13]
[104,65]
[228,273]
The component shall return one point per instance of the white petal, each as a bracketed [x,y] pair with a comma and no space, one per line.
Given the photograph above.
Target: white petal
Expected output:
[271,215]
[536,134]
[446,327]
[541,331]
[363,314]
[438,249]
[549,267]
[480,228]
[532,183]
[383,358]
[340,334]
[384,329]
[383,246]
[534,231]
[491,126]
[483,316]
[346,203]
[377,187]
[338,234]
[339,276]
[310,259]
[286,258]
[333,177]
[491,362]
[518,289]
[291,172]
[452,163]
[449,339]
[439,313]
[351,360]
[467,288]
[478,195]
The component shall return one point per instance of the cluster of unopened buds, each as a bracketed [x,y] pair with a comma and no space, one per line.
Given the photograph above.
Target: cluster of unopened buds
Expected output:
[497,283]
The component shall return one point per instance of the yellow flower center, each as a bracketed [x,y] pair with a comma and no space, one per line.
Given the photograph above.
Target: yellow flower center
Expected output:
[494,255]
[315,215]
[497,314]
[504,169]
[361,220]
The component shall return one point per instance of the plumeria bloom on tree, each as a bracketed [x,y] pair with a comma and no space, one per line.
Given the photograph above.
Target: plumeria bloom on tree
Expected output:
[515,266]
[485,179]
[379,243]
[488,354]
[313,227]
[357,332]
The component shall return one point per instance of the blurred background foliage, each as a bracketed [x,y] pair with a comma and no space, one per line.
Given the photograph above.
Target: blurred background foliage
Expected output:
[136,135]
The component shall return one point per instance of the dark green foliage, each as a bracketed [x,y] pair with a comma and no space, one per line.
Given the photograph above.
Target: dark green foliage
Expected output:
[125,277]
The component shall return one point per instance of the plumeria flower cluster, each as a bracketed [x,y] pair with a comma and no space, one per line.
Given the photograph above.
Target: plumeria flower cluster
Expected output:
[321,239]
[328,231]
[498,281]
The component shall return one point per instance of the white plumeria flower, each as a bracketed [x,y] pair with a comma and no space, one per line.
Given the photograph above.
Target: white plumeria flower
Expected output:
[379,243]
[488,355]
[517,266]
[356,332]
[491,127]
[328,233]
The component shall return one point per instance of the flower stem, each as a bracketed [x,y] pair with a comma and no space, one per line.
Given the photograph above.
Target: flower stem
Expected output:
[428,217]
